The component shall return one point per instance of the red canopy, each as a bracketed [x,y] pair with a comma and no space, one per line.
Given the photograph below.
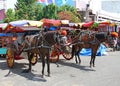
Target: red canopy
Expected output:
[105,22]
[102,25]
[50,22]
[89,24]
[15,29]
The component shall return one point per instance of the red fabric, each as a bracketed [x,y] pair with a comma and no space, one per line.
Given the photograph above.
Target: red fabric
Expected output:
[102,25]
[17,57]
[50,22]
[15,29]
[89,24]
[105,22]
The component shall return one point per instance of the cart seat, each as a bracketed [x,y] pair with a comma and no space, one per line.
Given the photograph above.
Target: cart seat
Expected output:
[18,57]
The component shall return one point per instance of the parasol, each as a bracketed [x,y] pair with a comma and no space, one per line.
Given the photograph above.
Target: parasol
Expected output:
[35,23]
[18,23]
[15,29]
[89,24]
[49,22]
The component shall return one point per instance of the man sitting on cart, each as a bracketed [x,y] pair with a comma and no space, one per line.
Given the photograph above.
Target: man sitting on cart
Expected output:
[18,42]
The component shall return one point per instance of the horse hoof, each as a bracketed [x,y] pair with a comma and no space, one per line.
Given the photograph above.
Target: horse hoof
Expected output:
[48,75]
[42,76]
[79,63]
[90,66]
[57,65]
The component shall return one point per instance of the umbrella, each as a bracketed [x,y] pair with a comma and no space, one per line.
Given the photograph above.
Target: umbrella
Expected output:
[89,24]
[19,23]
[95,24]
[15,29]
[50,22]
[104,22]
[35,23]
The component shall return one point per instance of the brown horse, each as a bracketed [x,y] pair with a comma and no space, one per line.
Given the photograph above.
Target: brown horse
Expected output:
[40,44]
[88,39]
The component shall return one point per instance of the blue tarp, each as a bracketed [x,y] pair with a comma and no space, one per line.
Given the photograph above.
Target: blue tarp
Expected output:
[52,28]
[5,34]
[10,34]
[3,51]
[87,52]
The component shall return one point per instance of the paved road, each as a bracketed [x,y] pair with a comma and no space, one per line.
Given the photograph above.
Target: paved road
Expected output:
[106,73]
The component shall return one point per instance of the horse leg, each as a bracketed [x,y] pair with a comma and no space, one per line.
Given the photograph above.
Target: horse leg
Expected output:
[78,52]
[48,65]
[76,58]
[74,50]
[93,56]
[91,61]
[94,60]
[30,65]
[43,64]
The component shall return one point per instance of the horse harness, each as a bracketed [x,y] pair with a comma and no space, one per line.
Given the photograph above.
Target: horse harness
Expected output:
[86,36]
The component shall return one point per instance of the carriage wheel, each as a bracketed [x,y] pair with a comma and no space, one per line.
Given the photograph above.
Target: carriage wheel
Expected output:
[54,59]
[67,53]
[34,59]
[10,58]
[54,56]
[67,56]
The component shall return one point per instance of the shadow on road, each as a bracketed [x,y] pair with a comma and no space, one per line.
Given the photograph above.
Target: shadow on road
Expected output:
[17,70]
[74,65]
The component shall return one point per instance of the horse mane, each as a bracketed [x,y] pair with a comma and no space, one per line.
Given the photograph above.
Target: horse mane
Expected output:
[31,37]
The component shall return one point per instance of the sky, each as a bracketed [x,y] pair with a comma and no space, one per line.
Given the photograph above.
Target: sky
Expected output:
[10,3]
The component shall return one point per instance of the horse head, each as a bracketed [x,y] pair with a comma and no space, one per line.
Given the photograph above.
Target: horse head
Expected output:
[102,37]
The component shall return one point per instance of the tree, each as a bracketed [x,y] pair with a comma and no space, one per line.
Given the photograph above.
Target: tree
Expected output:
[74,16]
[24,9]
[9,16]
[67,15]
[50,11]
[38,12]
[67,8]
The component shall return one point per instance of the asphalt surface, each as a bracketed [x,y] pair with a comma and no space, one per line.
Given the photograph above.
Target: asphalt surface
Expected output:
[106,72]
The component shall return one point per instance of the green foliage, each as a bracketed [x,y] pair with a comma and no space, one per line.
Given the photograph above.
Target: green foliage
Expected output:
[50,11]
[68,15]
[10,16]
[24,9]
[70,9]
[30,10]
[67,8]
[38,12]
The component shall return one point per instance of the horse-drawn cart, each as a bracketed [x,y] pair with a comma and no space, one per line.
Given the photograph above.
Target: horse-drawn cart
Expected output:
[12,53]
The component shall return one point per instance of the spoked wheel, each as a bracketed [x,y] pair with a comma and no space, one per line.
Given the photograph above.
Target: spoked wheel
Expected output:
[67,53]
[34,59]
[54,57]
[67,56]
[10,57]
